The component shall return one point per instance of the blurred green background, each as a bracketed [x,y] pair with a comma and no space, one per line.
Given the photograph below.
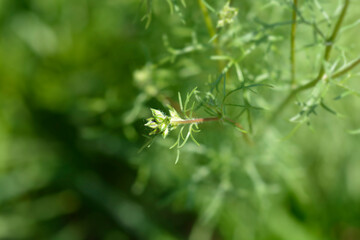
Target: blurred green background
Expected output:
[77,79]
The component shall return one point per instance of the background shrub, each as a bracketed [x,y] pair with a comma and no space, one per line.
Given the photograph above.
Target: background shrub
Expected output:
[78,79]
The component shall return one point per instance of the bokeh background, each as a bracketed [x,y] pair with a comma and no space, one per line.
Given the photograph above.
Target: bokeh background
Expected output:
[77,79]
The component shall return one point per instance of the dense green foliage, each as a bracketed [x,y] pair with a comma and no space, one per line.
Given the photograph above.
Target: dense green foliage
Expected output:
[78,80]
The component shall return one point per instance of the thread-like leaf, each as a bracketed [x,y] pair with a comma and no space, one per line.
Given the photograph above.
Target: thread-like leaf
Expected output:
[354,132]
[177,156]
[323,105]
[180,102]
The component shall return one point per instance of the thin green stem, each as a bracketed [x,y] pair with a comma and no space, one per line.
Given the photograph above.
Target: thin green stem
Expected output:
[211,30]
[202,120]
[238,125]
[321,74]
[196,120]
[330,41]
[208,22]
[346,69]
[312,84]
[233,122]
[313,24]
[292,43]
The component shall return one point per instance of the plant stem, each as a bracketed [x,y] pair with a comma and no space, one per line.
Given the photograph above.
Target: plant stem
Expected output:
[321,74]
[233,122]
[312,84]
[208,22]
[197,120]
[238,125]
[346,69]
[336,30]
[211,30]
[209,119]
[330,41]
[292,43]
[201,120]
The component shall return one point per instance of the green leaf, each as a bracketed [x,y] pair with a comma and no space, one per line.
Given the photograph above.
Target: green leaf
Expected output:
[239,73]
[247,87]
[187,137]
[346,93]
[194,140]
[216,83]
[322,104]
[241,130]
[183,3]
[177,156]
[293,131]
[244,106]
[354,132]
[219,58]
[187,100]
[208,6]
[147,144]
[170,6]
[180,102]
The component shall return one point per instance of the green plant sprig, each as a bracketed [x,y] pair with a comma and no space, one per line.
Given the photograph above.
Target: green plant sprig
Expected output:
[162,124]
[322,74]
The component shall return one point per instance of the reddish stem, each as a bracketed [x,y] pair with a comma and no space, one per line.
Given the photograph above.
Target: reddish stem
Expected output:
[201,120]
[197,120]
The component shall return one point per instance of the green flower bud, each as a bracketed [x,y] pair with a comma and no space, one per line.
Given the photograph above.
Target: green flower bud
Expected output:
[151,123]
[158,115]
[227,15]
[165,132]
[161,123]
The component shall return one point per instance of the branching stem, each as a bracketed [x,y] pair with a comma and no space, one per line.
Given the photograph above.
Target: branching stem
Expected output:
[312,84]
[321,74]
[209,119]
[346,69]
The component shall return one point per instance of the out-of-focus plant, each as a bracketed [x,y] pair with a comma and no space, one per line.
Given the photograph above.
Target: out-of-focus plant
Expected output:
[226,38]
[78,80]
[249,61]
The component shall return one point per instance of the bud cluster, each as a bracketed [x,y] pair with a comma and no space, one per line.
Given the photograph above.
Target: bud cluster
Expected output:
[163,124]
[226,15]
